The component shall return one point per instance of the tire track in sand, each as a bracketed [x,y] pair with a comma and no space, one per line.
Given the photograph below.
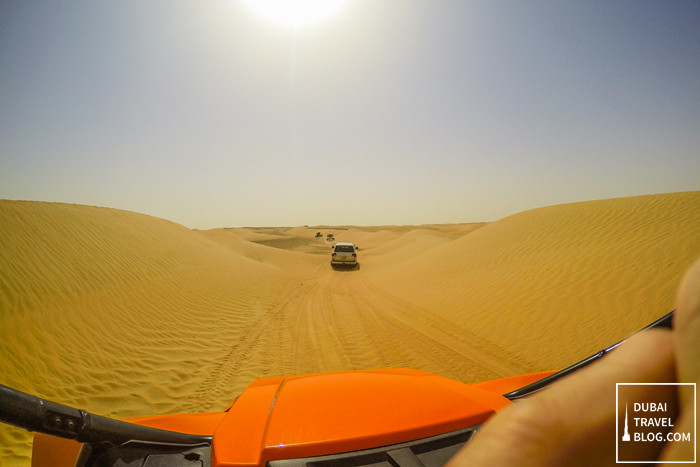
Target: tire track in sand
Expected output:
[337,321]
[465,344]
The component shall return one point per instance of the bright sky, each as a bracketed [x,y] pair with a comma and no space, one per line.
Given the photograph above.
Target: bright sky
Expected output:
[205,113]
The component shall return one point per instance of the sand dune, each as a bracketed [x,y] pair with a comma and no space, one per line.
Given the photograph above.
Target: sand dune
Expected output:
[254,235]
[567,279]
[117,311]
[288,260]
[367,240]
[407,246]
[125,314]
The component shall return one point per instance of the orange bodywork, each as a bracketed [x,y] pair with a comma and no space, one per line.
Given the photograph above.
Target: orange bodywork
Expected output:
[318,414]
[52,451]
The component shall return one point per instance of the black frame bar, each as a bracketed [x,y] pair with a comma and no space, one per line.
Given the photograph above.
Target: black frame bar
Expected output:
[664,322]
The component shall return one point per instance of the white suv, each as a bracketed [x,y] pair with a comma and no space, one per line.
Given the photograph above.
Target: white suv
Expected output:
[344,253]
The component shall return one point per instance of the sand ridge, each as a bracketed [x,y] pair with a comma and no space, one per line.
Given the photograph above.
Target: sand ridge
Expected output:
[571,278]
[126,314]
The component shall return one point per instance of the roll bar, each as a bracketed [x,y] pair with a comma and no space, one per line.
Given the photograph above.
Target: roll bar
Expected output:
[43,416]
[664,322]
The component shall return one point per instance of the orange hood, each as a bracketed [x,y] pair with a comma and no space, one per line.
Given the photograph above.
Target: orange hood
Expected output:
[318,414]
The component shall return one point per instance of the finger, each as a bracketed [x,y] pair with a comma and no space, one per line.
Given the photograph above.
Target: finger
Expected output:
[687,331]
[573,422]
[687,346]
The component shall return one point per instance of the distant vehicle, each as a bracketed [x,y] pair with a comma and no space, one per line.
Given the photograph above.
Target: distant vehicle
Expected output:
[344,253]
[330,238]
[319,235]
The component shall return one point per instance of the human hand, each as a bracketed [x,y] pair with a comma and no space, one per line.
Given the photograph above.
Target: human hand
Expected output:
[573,422]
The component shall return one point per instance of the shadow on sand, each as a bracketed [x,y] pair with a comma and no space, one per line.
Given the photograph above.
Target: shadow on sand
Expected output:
[344,268]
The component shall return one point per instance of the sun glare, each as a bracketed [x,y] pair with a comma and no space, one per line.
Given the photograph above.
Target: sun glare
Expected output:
[295,12]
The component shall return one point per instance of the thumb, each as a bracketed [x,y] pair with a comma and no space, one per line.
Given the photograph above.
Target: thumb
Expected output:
[687,331]
[686,337]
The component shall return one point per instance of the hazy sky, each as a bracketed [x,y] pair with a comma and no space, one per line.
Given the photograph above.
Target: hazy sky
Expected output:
[390,112]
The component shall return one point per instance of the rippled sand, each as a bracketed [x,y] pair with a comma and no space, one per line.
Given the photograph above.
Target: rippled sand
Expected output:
[125,314]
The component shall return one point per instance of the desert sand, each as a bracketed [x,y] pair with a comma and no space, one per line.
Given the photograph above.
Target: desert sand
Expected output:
[125,314]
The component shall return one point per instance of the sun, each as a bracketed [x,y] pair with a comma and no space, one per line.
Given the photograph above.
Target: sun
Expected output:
[295,12]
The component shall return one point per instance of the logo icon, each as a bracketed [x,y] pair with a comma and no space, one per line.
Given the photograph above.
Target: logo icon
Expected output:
[626,436]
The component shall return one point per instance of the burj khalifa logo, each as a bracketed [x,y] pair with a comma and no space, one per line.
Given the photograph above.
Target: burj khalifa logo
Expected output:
[626,436]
